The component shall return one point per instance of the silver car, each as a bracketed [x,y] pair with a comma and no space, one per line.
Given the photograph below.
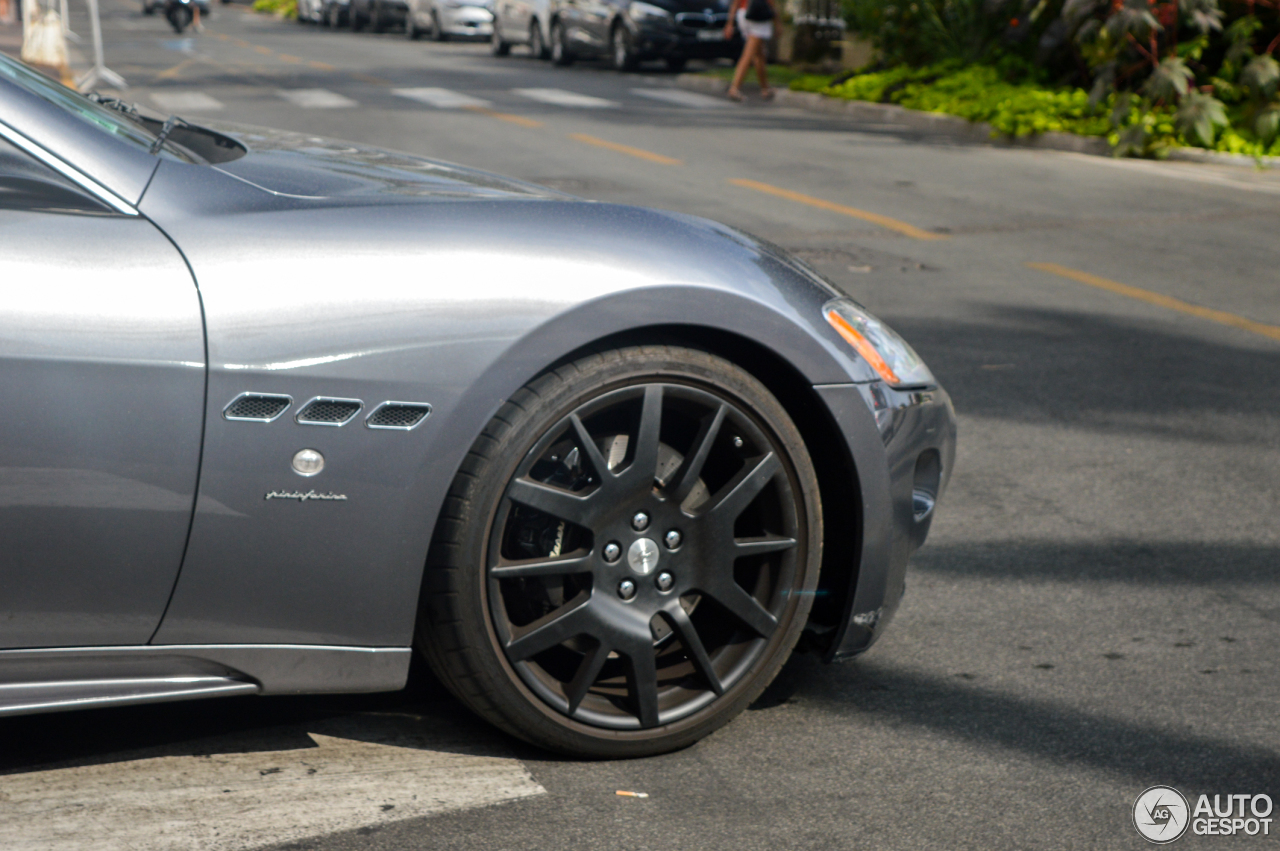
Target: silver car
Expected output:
[603,467]
[445,19]
[526,22]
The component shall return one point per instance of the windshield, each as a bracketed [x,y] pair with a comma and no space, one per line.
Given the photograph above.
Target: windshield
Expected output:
[106,120]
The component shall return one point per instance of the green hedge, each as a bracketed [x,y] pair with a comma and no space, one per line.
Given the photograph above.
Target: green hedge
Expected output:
[283,8]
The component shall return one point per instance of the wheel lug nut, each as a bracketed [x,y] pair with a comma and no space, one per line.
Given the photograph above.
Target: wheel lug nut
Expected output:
[737,442]
[612,552]
[626,589]
[672,539]
[640,522]
[665,581]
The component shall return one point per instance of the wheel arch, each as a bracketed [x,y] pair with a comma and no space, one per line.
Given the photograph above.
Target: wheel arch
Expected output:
[834,464]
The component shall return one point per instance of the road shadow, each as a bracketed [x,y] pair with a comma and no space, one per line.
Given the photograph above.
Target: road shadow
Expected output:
[1138,562]
[1072,368]
[1036,728]
[423,716]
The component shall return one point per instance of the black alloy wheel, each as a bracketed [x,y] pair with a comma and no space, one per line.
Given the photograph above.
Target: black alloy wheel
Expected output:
[635,553]
[560,53]
[622,50]
[537,47]
[497,45]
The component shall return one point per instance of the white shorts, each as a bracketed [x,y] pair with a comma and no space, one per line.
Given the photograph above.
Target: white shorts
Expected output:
[759,29]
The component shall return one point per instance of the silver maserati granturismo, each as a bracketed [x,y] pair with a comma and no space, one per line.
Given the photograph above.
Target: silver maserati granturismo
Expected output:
[603,467]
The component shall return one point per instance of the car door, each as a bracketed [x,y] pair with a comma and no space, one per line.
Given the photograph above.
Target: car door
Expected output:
[102,359]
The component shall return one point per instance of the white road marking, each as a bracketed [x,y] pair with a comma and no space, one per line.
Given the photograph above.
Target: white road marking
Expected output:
[560,97]
[680,97]
[185,101]
[316,98]
[441,98]
[230,794]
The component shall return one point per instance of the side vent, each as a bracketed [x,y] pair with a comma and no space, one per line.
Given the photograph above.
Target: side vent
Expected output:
[257,407]
[401,416]
[328,412]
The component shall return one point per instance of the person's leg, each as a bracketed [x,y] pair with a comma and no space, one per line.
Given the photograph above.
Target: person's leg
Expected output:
[195,17]
[761,72]
[744,62]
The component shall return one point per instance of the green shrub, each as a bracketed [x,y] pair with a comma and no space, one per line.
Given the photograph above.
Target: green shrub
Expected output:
[283,8]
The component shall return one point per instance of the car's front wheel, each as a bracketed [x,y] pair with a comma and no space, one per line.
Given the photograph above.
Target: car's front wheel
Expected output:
[627,555]
[622,50]
[561,54]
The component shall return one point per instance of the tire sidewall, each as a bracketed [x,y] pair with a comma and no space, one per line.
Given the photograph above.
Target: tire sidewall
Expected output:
[524,713]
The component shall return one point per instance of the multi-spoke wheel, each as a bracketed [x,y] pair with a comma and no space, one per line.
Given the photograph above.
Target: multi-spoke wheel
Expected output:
[628,555]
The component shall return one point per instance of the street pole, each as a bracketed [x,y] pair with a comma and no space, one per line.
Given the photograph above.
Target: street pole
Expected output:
[99,73]
[66,24]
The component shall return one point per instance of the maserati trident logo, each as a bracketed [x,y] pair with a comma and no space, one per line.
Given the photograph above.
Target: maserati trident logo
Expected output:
[1161,815]
[642,556]
[306,496]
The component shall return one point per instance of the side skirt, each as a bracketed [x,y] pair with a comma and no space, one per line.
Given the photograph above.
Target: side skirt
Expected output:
[51,680]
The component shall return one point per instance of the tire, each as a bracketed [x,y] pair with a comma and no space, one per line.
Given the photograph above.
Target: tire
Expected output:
[497,45]
[537,47]
[676,63]
[357,20]
[377,22]
[622,54]
[179,19]
[411,30]
[437,31]
[688,613]
[147,8]
[560,53]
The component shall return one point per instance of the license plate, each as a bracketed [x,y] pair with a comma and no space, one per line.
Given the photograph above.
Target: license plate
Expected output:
[710,35]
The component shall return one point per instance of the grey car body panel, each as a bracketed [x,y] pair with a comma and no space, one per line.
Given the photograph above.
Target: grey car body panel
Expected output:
[102,353]
[121,166]
[331,270]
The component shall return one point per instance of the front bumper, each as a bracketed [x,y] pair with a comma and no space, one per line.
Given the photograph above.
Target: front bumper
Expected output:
[660,40]
[467,21]
[903,448]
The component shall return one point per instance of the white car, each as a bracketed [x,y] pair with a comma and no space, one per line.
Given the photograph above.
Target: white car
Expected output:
[522,22]
[445,19]
[310,11]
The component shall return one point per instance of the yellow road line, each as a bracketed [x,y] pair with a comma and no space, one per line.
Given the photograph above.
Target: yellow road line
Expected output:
[285,57]
[168,73]
[323,66]
[365,78]
[638,153]
[1271,331]
[875,218]
[265,50]
[504,116]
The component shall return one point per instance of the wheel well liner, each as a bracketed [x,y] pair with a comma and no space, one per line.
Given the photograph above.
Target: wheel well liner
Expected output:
[835,467]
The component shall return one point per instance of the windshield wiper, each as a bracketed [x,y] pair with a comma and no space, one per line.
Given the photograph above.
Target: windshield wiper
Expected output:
[171,122]
[118,105]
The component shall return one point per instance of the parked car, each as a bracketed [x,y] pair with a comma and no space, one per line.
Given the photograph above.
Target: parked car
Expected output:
[336,13]
[311,11]
[445,19]
[602,466]
[526,22]
[628,32]
[378,15]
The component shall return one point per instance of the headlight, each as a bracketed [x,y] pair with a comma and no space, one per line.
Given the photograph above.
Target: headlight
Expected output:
[889,355]
[638,12]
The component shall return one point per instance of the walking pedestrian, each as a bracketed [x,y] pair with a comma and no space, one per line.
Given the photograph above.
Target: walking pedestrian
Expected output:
[754,19]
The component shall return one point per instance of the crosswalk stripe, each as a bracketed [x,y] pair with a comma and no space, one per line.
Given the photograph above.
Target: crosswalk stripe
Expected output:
[679,97]
[441,98]
[560,97]
[316,98]
[185,101]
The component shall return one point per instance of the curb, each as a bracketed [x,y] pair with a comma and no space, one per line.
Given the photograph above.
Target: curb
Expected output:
[955,127]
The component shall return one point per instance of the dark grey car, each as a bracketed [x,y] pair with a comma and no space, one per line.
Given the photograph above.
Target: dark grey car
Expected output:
[603,466]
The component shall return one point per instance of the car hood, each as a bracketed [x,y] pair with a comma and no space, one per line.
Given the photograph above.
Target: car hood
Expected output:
[303,166]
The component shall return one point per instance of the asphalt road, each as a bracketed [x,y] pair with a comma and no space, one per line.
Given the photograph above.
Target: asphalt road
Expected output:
[1098,607]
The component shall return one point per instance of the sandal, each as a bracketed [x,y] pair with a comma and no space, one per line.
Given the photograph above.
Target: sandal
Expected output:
[766,94]
[734,95]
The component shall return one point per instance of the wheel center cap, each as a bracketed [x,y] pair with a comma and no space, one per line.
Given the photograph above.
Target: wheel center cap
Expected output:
[642,556]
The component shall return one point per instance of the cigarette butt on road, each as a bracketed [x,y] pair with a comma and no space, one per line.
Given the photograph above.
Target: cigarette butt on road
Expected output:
[625,794]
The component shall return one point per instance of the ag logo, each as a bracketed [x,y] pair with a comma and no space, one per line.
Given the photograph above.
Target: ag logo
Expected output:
[1161,814]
